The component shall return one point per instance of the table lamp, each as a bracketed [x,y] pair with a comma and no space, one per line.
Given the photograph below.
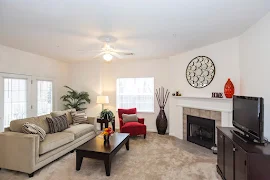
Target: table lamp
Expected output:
[102,100]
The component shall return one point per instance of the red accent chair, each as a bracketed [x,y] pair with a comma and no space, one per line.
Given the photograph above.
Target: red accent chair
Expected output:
[133,128]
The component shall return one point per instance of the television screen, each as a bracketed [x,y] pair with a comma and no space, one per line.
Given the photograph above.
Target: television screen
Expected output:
[246,115]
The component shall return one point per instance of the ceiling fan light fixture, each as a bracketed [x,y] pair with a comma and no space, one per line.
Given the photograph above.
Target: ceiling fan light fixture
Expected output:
[107,57]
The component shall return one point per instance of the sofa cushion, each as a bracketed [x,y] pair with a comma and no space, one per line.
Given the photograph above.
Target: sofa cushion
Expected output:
[28,128]
[79,117]
[58,124]
[67,112]
[16,125]
[53,141]
[80,129]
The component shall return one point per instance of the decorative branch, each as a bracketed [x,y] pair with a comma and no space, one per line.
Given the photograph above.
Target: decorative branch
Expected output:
[161,97]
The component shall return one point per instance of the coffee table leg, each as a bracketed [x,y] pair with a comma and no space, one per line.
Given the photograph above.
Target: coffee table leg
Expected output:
[107,163]
[127,144]
[79,160]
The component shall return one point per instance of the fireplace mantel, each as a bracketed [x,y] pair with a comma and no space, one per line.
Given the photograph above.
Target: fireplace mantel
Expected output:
[177,103]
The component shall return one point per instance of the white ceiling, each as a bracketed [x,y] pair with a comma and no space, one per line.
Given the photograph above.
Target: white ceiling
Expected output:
[60,29]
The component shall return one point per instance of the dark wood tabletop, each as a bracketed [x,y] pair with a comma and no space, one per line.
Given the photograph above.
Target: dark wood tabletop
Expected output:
[97,144]
[97,149]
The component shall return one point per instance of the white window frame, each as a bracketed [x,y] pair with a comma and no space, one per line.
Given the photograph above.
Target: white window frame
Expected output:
[36,89]
[29,111]
[138,110]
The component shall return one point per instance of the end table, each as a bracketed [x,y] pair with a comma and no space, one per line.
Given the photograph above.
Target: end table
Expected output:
[106,122]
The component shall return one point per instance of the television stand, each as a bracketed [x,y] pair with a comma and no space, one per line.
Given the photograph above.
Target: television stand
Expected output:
[245,138]
[239,160]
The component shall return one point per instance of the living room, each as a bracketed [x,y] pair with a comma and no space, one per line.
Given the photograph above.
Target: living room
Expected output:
[64,44]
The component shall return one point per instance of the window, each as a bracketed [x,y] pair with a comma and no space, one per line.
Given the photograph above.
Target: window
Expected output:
[135,92]
[15,99]
[44,97]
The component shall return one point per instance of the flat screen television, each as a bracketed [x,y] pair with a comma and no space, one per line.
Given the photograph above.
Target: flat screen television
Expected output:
[248,116]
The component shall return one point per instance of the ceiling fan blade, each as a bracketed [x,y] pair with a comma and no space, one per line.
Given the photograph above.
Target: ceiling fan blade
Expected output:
[100,54]
[116,55]
[89,50]
[121,51]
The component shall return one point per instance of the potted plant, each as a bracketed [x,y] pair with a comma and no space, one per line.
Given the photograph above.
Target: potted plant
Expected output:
[107,114]
[75,99]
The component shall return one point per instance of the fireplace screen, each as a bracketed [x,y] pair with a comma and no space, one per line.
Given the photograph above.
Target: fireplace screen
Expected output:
[201,131]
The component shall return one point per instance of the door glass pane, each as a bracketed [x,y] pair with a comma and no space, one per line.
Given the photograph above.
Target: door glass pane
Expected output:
[44,97]
[15,101]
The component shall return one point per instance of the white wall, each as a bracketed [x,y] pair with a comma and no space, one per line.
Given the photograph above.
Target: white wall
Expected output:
[98,77]
[246,56]
[20,62]
[255,63]
[225,56]
[140,68]
[86,76]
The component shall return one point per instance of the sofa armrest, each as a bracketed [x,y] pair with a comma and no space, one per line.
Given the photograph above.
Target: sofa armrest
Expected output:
[141,120]
[19,151]
[93,120]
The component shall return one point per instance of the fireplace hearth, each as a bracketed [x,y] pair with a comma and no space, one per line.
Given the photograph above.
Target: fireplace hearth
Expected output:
[201,131]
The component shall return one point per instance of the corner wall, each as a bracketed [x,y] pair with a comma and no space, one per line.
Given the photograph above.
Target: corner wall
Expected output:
[255,63]
[224,54]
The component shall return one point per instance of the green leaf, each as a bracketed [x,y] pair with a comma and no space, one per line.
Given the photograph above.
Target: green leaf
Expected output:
[74,99]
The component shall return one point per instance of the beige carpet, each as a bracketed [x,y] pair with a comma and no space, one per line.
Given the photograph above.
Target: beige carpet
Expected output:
[155,158]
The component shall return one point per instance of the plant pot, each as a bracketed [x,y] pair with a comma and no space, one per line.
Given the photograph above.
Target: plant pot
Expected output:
[161,122]
[229,89]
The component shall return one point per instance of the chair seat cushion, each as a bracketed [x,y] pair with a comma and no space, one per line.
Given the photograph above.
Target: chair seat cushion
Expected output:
[53,141]
[80,129]
[134,128]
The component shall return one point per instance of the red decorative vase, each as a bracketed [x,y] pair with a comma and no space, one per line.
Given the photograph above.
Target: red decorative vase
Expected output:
[229,89]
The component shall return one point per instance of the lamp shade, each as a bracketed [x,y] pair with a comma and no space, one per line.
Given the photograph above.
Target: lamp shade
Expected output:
[102,99]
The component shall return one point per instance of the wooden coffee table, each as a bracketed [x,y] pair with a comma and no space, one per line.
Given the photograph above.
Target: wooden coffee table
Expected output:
[96,149]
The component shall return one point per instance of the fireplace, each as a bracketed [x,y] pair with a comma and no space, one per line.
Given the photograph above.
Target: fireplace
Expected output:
[201,131]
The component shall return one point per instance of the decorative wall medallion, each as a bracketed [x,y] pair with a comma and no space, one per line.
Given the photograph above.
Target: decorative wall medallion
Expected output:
[200,72]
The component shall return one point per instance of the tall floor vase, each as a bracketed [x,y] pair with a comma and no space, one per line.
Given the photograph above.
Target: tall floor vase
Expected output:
[161,122]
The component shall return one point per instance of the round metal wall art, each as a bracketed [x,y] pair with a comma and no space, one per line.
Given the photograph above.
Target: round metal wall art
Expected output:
[200,72]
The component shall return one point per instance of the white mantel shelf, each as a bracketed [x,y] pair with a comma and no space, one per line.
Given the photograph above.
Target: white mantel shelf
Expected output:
[207,103]
[177,103]
[206,98]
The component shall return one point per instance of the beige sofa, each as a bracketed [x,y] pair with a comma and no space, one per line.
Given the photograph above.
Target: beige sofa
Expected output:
[25,153]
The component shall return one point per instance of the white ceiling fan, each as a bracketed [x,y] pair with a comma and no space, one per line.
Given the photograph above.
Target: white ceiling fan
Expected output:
[108,52]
